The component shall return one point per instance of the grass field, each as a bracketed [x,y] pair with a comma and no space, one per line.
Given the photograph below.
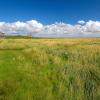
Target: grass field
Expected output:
[50,69]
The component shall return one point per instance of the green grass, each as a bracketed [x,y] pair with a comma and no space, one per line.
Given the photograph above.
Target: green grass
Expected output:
[50,69]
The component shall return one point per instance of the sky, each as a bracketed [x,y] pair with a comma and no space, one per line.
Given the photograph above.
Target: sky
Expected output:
[50,17]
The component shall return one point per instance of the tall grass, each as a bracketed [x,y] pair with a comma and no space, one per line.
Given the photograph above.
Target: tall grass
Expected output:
[50,69]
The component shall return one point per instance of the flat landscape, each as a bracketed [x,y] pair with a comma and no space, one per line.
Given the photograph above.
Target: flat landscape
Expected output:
[50,69]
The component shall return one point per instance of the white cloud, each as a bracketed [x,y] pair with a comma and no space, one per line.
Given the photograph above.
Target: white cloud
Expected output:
[21,27]
[83,29]
[81,22]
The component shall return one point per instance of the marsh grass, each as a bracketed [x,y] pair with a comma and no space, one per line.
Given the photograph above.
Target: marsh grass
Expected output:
[50,69]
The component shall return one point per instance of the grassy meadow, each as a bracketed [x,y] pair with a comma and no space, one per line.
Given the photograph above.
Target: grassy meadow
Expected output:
[50,69]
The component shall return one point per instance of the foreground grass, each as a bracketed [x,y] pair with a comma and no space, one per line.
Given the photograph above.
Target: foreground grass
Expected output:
[50,69]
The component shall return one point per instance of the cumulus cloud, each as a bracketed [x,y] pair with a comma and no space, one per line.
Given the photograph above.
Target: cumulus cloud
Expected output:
[81,29]
[81,22]
[21,27]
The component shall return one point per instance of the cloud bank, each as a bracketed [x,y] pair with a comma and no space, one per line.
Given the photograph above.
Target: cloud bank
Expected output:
[80,29]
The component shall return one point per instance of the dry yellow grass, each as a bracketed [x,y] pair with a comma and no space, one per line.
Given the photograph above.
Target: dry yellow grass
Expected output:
[50,69]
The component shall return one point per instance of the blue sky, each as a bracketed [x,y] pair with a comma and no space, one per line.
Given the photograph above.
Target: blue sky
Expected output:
[49,11]
[51,18]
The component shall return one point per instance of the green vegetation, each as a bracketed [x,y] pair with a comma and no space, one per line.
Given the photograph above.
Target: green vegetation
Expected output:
[50,69]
